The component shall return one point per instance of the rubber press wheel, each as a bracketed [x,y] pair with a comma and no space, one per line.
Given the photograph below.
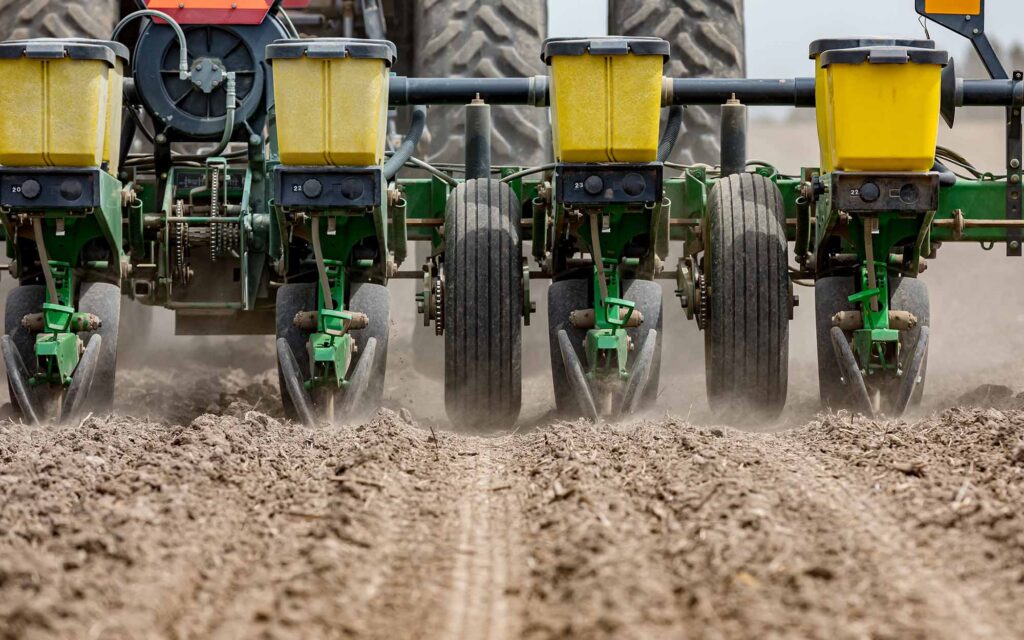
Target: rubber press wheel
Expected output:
[831,295]
[375,301]
[746,337]
[564,297]
[707,40]
[910,294]
[20,302]
[292,299]
[103,300]
[483,305]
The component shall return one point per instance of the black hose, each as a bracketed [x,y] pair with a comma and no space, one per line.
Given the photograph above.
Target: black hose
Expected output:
[672,127]
[408,146]
[946,176]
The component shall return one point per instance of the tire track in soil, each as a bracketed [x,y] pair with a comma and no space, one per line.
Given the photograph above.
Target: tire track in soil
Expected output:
[451,572]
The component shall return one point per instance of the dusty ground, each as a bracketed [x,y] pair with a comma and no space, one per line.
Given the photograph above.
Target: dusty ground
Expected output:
[198,512]
[219,519]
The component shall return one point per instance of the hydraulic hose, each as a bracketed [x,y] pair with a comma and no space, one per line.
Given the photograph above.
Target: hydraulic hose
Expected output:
[408,146]
[183,70]
[946,176]
[673,125]
[229,115]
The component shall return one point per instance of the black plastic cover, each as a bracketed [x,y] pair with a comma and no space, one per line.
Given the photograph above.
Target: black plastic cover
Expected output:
[44,188]
[60,48]
[884,55]
[601,184]
[313,188]
[333,48]
[830,44]
[604,46]
[885,192]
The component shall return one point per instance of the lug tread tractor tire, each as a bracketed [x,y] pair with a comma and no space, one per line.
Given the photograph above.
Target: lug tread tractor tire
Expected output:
[746,266]
[103,300]
[487,39]
[483,309]
[21,19]
[707,39]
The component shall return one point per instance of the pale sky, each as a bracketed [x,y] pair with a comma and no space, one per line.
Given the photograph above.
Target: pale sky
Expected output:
[778,31]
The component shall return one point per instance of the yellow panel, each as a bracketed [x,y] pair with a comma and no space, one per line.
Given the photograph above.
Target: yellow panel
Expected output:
[953,7]
[53,112]
[331,112]
[883,117]
[606,108]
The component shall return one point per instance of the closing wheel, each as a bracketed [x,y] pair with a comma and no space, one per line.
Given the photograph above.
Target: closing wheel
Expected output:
[849,373]
[913,373]
[483,305]
[647,296]
[291,379]
[831,295]
[17,381]
[746,338]
[354,403]
[292,299]
[911,294]
[640,374]
[20,302]
[375,301]
[576,380]
[103,300]
[76,397]
[563,298]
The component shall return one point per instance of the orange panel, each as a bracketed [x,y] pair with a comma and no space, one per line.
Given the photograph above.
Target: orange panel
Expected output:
[213,11]
[953,7]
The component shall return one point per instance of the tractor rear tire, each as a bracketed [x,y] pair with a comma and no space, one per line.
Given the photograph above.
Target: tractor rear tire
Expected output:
[58,19]
[291,299]
[707,39]
[483,306]
[746,338]
[831,295]
[487,39]
[103,300]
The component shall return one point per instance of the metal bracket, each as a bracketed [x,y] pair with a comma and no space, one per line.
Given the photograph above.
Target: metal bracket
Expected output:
[1014,173]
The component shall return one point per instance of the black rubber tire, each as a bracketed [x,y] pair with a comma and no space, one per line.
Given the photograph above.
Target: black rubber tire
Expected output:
[77,395]
[21,301]
[746,339]
[103,300]
[58,19]
[291,299]
[647,296]
[707,38]
[483,308]
[831,295]
[911,294]
[859,399]
[484,38]
[375,301]
[563,298]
